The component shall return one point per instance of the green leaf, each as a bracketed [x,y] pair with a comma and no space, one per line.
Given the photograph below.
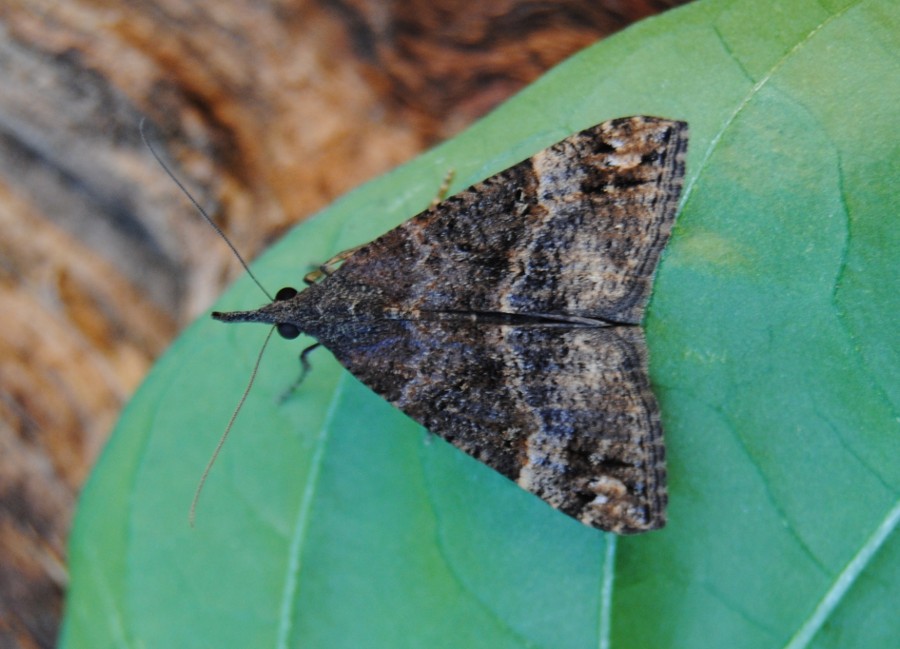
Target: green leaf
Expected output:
[334,521]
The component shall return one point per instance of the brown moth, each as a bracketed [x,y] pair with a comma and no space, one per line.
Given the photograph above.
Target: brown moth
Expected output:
[506,319]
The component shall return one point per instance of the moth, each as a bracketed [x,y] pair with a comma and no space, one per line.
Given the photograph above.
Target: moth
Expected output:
[507,319]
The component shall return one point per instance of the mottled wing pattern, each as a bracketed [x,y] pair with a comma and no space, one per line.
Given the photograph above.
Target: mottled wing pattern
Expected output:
[577,229]
[566,412]
[484,319]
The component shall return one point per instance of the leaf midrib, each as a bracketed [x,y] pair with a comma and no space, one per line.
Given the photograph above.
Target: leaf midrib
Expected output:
[291,591]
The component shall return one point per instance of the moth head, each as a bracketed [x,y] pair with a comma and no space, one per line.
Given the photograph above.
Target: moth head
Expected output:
[286,330]
[280,313]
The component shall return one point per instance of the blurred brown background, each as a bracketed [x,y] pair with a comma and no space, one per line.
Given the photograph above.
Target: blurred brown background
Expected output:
[267,111]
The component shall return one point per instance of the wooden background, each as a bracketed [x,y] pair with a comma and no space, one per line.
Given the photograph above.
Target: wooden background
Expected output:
[267,110]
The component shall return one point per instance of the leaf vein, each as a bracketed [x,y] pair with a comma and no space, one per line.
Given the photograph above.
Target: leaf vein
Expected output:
[604,630]
[845,579]
[691,180]
[450,565]
[295,565]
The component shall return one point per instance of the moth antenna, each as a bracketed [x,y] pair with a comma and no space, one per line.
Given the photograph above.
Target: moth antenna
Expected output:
[200,209]
[192,516]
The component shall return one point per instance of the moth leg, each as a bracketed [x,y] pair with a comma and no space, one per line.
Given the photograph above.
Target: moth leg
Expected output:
[326,269]
[305,368]
[442,190]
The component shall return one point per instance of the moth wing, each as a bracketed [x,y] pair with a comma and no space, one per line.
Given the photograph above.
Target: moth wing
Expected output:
[575,230]
[566,412]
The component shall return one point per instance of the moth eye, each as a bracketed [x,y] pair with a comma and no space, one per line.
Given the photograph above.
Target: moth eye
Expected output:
[286,329]
[285,294]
